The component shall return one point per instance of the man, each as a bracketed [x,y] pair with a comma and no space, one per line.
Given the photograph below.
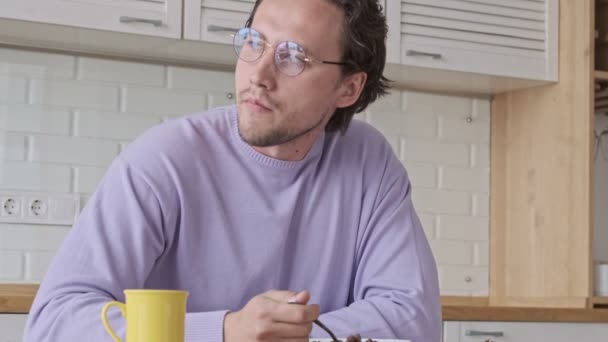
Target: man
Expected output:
[275,193]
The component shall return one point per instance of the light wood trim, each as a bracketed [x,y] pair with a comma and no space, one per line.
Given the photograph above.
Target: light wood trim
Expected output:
[17,298]
[541,302]
[541,185]
[601,75]
[518,314]
[598,302]
[464,301]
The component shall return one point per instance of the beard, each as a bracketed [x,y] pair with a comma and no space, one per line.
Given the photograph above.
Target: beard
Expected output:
[270,129]
[262,133]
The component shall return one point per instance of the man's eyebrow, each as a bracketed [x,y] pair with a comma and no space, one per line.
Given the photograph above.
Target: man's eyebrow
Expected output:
[260,32]
[304,47]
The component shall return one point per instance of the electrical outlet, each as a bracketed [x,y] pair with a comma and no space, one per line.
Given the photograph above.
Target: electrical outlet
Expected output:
[11,206]
[39,208]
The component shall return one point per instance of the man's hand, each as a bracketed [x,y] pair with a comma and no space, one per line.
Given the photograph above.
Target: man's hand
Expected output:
[270,317]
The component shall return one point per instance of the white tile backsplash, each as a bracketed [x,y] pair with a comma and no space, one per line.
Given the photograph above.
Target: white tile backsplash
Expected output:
[75,94]
[11,265]
[466,179]
[423,175]
[435,201]
[419,126]
[35,119]
[36,264]
[428,223]
[36,64]
[35,177]
[460,280]
[72,150]
[31,237]
[389,123]
[462,228]
[463,130]
[433,151]
[481,109]
[13,89]
[155,101]
[481,254]
[481,205]
[452,252]
[87,178]
[480,155]
[64,119]
[428,103]
[13,146]
[188,78]
[111,71]
[111,126]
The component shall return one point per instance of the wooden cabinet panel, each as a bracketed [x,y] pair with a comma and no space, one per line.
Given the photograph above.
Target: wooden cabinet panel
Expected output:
[215,20]
[150,17]
[512,38]
[523,331]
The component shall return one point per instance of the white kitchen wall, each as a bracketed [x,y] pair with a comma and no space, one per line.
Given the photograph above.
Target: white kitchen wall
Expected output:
[601,191]
[64,118]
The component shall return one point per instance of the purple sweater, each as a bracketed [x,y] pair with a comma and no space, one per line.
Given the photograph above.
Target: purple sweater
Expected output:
[191,206]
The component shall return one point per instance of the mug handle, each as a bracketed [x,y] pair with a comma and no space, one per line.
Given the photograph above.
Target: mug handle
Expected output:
[104,317]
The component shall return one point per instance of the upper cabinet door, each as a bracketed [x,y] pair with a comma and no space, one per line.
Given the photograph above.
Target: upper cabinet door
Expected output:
[215,20]
[513,38]
[149,17]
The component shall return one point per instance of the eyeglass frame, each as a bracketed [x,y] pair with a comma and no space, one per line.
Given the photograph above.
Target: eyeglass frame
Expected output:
[307,58]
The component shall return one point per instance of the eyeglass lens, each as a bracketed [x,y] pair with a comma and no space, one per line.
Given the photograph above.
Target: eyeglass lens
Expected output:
[289,57]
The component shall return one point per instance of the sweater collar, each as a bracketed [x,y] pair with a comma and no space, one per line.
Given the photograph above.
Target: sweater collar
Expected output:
[312,155]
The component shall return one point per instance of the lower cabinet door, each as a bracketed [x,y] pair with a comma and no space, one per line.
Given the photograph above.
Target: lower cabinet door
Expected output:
[11,327]
[524,332]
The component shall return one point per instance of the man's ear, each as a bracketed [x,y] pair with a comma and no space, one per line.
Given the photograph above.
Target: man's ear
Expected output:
[351,89]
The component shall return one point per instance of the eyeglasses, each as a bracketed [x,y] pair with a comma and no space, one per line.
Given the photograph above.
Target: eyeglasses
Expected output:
[289,57]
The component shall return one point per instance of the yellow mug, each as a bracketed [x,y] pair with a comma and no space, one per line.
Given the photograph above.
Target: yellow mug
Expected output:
[152,315]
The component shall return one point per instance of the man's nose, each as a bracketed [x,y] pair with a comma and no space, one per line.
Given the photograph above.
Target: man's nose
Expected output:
[264,70]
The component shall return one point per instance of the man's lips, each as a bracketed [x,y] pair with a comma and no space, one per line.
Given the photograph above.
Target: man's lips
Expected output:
[258,105]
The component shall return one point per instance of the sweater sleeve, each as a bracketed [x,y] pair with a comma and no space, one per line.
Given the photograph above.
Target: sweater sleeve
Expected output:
[395,290]
[113,246]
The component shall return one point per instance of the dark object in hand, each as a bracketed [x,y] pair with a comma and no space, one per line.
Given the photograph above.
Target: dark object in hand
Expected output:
[357,338]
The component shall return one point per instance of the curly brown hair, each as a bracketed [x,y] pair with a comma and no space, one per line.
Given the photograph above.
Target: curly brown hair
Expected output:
[363,49]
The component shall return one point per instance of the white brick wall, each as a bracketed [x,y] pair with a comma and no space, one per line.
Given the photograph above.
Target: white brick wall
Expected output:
[444,143]
[64,119]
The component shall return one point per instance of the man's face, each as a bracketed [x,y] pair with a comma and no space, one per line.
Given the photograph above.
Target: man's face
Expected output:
[275,108]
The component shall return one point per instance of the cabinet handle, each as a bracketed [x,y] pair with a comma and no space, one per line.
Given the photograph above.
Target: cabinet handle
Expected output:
[127,20]
[421,53]
[484,333]
[216,28]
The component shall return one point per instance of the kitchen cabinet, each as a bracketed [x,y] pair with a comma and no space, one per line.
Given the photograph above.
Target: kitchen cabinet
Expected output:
[601,128]
[427,51]
[459,331]
[511,38]
[541,230]
[11,327]
[215,20]
[161,18]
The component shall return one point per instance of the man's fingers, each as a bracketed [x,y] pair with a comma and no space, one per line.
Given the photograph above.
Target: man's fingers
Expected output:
[295,313]
[291,331]
[301,297]
[280,296]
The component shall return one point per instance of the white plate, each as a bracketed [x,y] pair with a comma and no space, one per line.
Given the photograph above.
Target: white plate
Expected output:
[363,339]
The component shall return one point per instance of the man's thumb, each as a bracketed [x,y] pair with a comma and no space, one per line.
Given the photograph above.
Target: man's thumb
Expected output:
[301,297]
